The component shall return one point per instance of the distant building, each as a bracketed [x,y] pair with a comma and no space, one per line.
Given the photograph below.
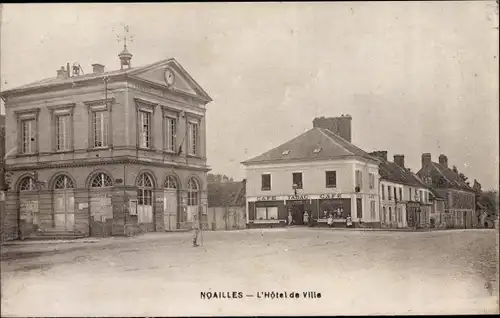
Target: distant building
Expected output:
[107,153]
[404,198]
[459,204]
[226,205]
[319,172]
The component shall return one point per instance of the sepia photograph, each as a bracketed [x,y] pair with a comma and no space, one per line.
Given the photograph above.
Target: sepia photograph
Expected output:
[249,159]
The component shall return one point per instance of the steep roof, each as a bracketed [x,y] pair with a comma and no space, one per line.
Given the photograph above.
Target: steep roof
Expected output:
[314,144]
[390,171]
[447,177]
[55,81]
[226,194]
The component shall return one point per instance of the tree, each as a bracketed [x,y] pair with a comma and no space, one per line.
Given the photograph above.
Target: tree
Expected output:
[489,199]
[218,178]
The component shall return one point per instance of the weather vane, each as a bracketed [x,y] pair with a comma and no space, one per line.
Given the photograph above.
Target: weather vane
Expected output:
[125,37]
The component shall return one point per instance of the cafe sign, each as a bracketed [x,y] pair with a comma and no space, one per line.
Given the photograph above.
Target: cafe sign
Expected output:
[330,196]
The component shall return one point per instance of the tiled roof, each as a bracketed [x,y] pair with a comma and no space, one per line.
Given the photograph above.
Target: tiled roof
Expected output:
[53,81]
[452,178]
[390,171]
[314,144]
[226,194]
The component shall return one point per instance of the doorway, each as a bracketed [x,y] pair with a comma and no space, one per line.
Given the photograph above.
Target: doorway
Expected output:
[298,214]
[64,204]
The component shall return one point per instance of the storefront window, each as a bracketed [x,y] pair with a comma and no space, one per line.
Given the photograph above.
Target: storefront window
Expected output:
[267,213]
[335,207]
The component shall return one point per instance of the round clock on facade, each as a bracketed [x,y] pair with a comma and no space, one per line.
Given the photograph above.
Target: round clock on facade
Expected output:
[169,77]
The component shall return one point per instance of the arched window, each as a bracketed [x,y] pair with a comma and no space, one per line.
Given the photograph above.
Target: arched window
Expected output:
[101,180]
[193,192]
[170,182]
[145,192]
[27,184]
[63,182]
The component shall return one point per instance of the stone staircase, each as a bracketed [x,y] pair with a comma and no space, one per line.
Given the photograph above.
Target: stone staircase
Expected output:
[55,234]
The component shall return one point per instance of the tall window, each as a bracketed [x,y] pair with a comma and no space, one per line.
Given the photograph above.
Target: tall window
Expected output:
[390,214]
[145,190]
[389,195]
[101,180]
[297,179]
[383,192]
[409,194]
[28,134]
[359,179]
[395,194]
[193,192]
[63,182]
[372,209]
[266,182]
[170,133]
[371,180]
[27,184]
[144,129]
[331,179]
[63,132]
[100,128]
[421,196]
[401,194]
[193,139]
[170,182]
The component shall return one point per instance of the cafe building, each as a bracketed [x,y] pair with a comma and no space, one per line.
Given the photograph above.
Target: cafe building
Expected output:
[319,172]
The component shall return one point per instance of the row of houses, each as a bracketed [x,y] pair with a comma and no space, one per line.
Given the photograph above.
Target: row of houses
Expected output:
[322,173]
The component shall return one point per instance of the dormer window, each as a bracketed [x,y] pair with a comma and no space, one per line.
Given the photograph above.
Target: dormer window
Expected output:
[317,150]
[286,152]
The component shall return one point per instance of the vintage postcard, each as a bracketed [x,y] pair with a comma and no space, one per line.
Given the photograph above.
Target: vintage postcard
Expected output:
[249,159]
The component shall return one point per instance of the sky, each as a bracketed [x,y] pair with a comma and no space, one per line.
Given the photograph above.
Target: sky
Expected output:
[415,76]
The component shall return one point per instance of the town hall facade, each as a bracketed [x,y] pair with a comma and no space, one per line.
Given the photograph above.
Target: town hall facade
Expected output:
[106,153]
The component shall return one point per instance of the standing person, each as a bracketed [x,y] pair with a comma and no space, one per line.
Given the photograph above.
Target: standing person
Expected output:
[290,218]
[348,221]
[196,230]
[306,217]
[330,220]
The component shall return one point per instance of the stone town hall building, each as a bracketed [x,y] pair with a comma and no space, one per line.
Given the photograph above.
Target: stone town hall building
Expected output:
[106,153]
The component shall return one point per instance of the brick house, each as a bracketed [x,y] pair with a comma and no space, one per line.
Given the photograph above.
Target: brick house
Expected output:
[106,153]
[404,198]
[459,197]
[319,171]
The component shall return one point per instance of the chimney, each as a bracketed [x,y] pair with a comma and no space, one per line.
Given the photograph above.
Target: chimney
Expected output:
[399,160]
[61,73]
[443,160]
[426,159]
[97,68]
[340,126]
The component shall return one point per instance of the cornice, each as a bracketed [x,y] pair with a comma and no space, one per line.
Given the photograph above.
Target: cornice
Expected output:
[170,90]
[99,102]
[61,106]
[87,163]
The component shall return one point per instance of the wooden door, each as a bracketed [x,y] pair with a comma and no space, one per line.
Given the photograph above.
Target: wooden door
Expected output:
[170,209]
[64,210]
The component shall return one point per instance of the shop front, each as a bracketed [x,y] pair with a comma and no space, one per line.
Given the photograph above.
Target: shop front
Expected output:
[266,212]
[274,211]
[339,209]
